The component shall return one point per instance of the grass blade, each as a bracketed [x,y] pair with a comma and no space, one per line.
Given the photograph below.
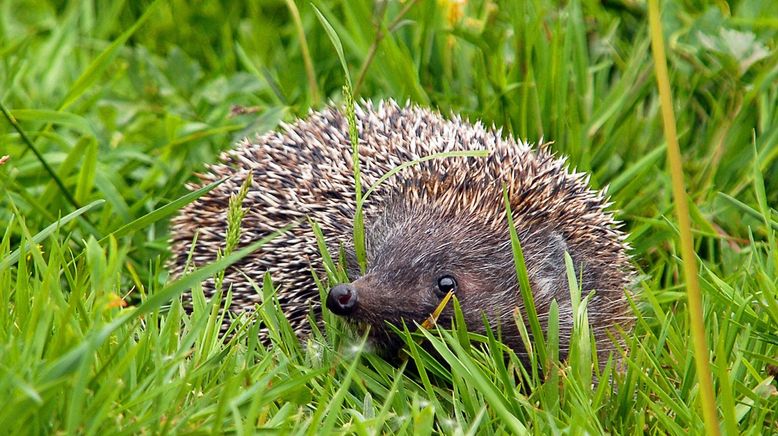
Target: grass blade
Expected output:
[309,70]
[701,353]
[101,62]
[335,42]
[162,212]
[45,233]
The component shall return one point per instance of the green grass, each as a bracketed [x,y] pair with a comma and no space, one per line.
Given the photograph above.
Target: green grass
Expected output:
[122,102]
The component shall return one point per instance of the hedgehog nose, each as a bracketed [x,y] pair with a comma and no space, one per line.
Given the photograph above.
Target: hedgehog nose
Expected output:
[342,299]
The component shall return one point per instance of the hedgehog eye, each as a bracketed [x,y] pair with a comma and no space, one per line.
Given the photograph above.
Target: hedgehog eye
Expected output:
[445,285]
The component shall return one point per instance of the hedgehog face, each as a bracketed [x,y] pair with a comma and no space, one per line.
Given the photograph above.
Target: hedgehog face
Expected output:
[416,255]
[414,258]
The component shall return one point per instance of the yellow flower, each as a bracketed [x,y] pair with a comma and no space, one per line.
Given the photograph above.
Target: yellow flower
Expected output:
[455,10]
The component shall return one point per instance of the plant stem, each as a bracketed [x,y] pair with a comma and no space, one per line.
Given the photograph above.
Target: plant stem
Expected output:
[701,354]
[309,71]
[380,34]
[68,196]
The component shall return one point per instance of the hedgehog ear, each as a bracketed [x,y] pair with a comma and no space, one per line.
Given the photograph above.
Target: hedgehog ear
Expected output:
[551,272]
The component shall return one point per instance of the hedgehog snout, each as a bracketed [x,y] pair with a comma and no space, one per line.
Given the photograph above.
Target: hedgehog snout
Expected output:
[342,299]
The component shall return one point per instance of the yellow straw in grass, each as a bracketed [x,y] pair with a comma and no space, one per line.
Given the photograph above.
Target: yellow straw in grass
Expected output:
[701,354]
[432,320]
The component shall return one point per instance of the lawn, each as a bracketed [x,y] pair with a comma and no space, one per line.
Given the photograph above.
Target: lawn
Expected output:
[110,108]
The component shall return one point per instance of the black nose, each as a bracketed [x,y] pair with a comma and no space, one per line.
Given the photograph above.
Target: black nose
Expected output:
[342,299]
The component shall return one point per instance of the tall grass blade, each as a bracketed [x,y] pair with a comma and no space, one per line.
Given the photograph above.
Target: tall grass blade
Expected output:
[701,353]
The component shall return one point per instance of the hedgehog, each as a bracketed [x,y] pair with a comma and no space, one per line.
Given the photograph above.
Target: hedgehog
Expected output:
[433,227]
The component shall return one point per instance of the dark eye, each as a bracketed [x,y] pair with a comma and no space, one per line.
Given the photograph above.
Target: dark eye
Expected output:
[446,284]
